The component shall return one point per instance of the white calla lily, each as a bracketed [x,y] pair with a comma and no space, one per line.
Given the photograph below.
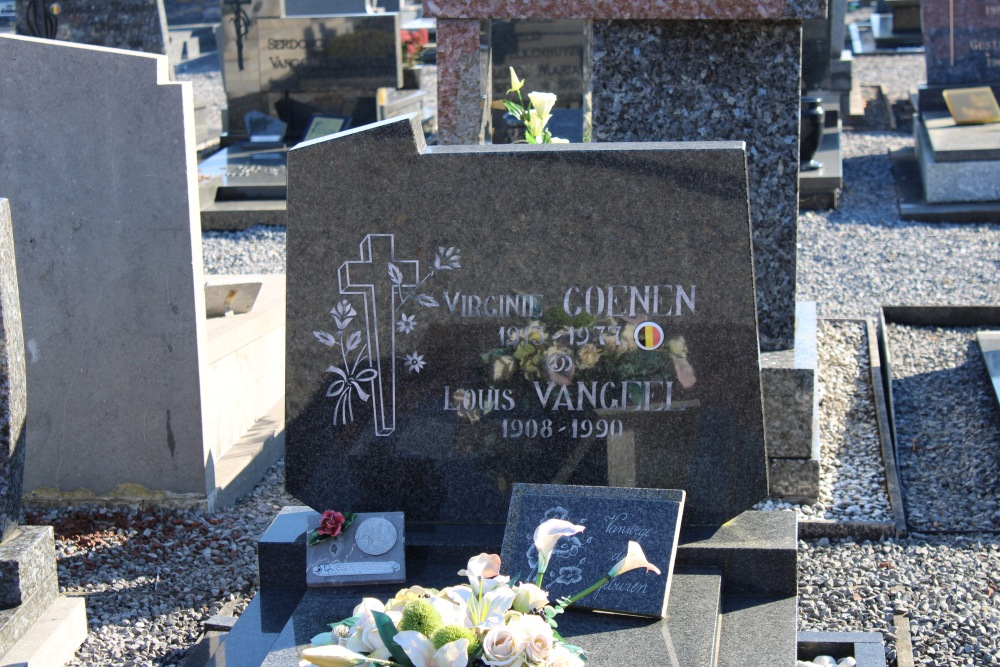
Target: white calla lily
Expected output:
[633,560]
[546,536]
[542,103]
[420,650]
[333,655]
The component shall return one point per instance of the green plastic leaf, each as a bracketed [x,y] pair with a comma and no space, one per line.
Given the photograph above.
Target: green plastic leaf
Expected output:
[387,631]
[349,622]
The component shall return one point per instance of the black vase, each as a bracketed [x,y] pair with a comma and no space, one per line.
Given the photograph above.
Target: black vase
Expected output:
[411,77]
[810,132]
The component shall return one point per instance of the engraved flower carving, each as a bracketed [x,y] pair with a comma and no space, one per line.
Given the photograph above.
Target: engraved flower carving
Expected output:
[414,362]
[406,323]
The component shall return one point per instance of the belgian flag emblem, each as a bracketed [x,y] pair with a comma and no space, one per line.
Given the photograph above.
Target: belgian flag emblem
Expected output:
[649,336]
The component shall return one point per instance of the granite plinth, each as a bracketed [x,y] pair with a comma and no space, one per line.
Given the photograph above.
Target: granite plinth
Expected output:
[29,581]
[27,565]
[755,552]
[13,391]
[989,346]
[795,480]
[961,43]
[914,206]
[53,638]
[462,395]
[626,9]
[951,181]
[950,142]
[679,88]
[791,402]
[133,25]
[867,648]
[688,636]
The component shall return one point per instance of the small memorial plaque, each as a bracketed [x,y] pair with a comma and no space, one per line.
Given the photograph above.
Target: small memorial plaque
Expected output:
[613,517]
[972,106]
[370,550]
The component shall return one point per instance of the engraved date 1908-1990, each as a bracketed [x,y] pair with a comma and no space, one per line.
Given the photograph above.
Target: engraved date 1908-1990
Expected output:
[575,428]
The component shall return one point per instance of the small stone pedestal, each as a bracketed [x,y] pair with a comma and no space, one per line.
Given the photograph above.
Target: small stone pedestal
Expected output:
[791,411]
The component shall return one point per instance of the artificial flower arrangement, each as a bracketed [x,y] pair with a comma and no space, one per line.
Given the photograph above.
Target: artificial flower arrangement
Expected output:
[414,42]
[485,622]
[535,116]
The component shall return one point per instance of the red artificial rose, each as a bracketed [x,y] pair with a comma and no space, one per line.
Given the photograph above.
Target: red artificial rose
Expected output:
[331,524]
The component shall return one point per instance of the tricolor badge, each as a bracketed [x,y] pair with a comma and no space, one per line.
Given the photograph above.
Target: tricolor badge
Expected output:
[648,336]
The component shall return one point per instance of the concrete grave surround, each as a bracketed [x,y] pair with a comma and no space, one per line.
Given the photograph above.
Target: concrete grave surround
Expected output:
[125,376]
[134,25]
[658,56]
[522,220]
[961,41]
[12,382]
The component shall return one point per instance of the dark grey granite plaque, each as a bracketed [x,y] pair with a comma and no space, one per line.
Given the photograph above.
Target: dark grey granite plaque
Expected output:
[12,382]
[370,550]
[326,53]
[461,319]
[612,517]
[961,41]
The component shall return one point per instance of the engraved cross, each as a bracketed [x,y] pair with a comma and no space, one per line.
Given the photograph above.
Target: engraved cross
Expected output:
[371,277]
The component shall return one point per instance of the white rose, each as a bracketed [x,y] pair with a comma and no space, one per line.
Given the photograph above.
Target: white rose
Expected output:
[538,637]
[528,597]
[563,657]
[503,647]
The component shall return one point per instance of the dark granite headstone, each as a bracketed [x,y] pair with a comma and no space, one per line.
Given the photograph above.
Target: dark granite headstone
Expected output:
[12,382]
[961,41]
[133,25]
[293,68]
[612,517]
[481,322]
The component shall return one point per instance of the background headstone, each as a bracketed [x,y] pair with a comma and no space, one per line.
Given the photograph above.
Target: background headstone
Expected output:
[961,41]
[12,382]
[109,265]
[292,67]
[134,25]
[613,517]
[406,388]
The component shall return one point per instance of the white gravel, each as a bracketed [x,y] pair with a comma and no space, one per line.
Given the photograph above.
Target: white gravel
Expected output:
[258,249]
[852,477]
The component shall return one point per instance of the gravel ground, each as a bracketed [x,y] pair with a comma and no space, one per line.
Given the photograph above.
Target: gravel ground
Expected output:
[958,429]
[852,477]
[151,576]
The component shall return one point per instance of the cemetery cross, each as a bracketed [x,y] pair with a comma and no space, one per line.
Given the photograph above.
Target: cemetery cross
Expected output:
[380,278]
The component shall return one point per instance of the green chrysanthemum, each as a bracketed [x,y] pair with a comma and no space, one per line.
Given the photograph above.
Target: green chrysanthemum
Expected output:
[450,633]
[420,615]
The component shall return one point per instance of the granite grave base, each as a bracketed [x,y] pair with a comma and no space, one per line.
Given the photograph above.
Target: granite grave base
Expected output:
[28,581]
[791,411]
[958,163]
[820,189]
[989,346]
[913,205]
[867,648]
[733,596]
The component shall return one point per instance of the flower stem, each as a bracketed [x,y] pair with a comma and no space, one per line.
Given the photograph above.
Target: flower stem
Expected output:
[587,591]
[538,578]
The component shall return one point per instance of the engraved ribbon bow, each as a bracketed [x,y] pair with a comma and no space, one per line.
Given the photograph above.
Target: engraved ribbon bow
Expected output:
[347,384]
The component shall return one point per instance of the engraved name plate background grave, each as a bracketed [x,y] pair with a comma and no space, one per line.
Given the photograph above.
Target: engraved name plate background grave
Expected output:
[613,517]
[480,322]
[370,550]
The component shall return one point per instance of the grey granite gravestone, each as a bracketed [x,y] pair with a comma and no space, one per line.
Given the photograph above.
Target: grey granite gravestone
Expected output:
[134,25]
[496,317]
[612,517]
[12,382]
[133,395]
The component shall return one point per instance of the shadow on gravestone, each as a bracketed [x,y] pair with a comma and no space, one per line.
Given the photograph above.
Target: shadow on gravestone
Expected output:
[551,314]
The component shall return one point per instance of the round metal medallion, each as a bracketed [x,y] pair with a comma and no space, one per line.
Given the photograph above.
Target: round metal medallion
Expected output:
[375,536]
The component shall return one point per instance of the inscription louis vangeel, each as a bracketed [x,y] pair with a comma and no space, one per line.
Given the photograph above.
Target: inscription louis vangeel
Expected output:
[584,351]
